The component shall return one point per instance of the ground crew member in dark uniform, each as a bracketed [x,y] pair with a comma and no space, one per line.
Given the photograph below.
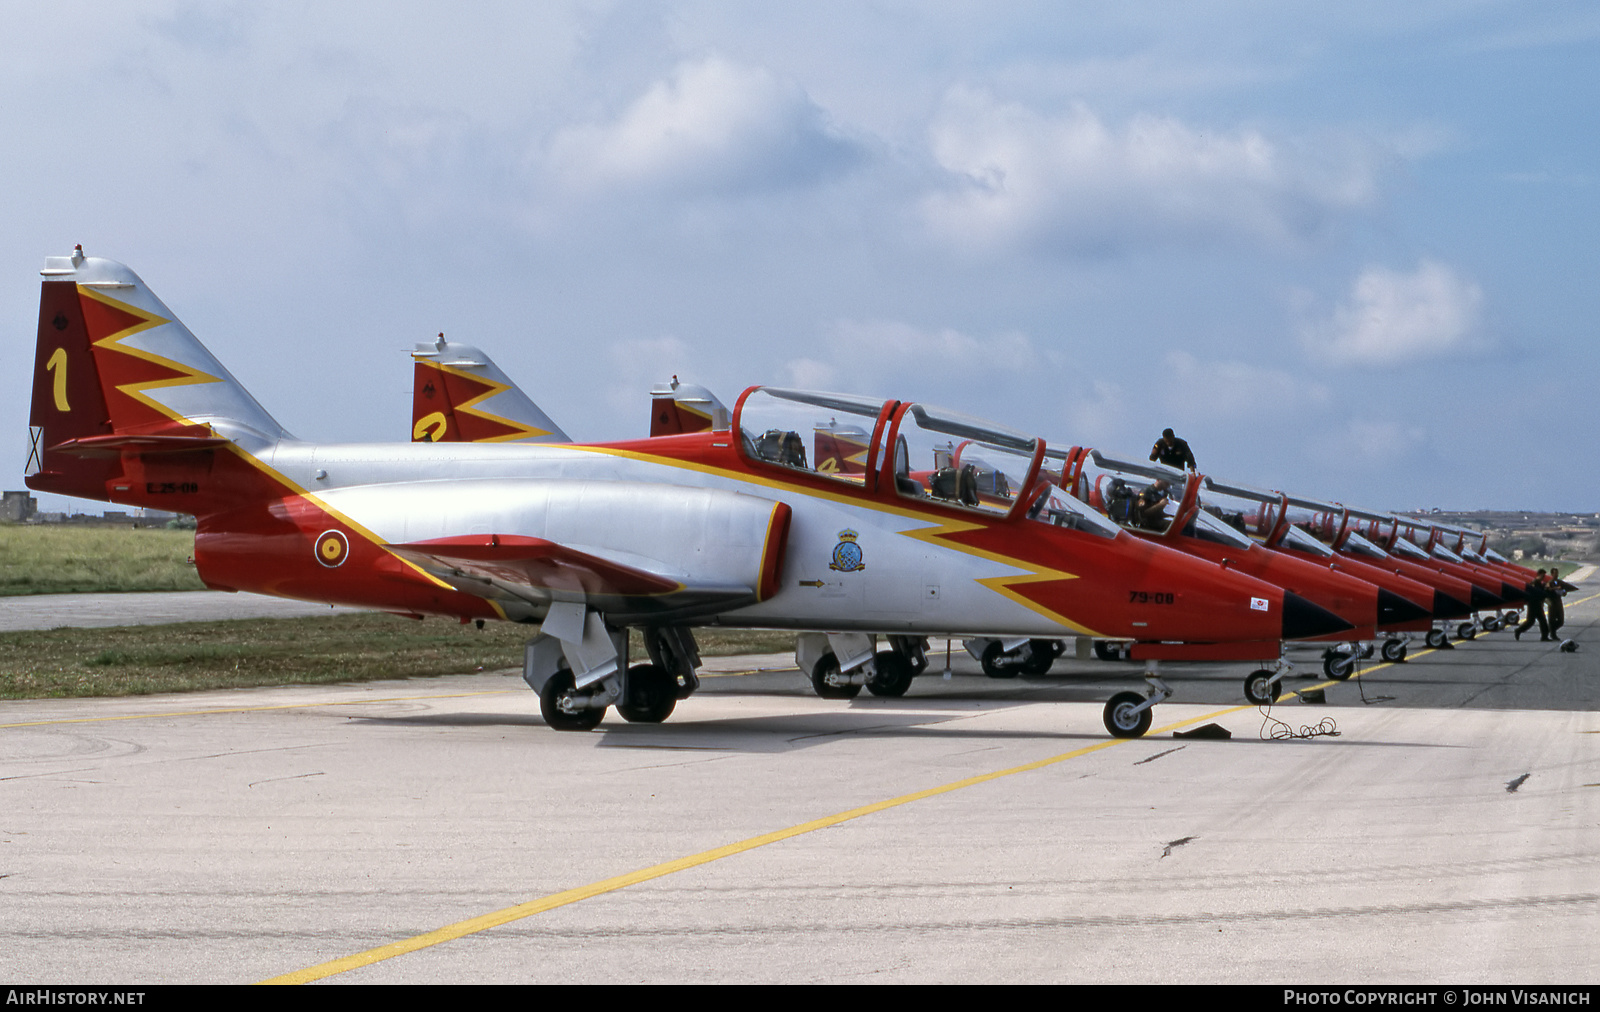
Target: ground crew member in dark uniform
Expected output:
[1555,608]
[1173,452]
[1150,509]
[1538,592]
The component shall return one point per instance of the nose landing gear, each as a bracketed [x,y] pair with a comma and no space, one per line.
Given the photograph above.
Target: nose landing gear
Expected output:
[1127,714]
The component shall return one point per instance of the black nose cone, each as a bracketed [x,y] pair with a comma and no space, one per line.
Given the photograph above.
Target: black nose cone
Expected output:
[1511,593]
[1394,609]
[1303,620]
[1445,606]
[1482,600]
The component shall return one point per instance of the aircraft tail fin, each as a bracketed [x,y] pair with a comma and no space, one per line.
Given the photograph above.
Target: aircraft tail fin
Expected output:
[115,371]
[459,395]
[678,408]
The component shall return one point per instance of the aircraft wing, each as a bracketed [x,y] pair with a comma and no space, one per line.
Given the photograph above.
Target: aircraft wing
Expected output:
[543,571]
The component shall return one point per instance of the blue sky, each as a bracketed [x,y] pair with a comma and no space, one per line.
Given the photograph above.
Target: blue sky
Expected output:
[1345,251]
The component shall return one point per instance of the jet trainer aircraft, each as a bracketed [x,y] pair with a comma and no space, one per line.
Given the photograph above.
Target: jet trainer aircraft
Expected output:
[592,540]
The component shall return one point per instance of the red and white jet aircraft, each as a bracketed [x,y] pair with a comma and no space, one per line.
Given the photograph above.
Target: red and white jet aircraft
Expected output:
[592,540]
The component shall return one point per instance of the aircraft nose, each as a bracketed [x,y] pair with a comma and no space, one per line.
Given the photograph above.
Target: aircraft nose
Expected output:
[1394,609]
[1304,620]
[1512,593]
[1445,606]
[1482,599]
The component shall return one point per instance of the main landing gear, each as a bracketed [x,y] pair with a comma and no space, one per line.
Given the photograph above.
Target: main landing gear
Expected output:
[1128,714]
[840,665]
[1010,658]
[579,667]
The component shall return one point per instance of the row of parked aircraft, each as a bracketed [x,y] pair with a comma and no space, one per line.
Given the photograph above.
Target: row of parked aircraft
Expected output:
[1416,584]
[843,518]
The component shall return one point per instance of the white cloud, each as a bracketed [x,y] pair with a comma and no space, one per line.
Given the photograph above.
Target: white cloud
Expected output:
[1232,390]
[1391,318]
[1073,181]
[712,126]
[1101,413]
[811,374]
[1379,440]
[636,366]
[891,355]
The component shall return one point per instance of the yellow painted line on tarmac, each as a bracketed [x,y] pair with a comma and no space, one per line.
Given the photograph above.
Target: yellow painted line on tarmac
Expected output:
[474,925]
[461,929]
[253,709]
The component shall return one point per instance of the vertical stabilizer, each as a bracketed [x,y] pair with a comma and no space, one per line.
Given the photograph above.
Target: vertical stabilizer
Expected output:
[678,408]
[459,395]
[114,373]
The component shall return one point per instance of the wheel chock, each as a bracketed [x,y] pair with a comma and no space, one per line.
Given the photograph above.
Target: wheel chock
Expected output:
[1212,731]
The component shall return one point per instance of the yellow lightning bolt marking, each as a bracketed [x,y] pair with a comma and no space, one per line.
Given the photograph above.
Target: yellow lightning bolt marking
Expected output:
[1003,585]
[471,407]
[190,375]
[935,534]
[113,342]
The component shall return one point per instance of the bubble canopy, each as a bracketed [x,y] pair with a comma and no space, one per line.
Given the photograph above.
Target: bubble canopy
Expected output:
[907,451]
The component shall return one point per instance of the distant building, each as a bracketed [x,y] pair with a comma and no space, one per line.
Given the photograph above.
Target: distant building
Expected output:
[15,507]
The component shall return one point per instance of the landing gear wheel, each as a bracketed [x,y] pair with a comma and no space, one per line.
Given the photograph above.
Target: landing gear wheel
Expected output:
[559,686]
[1437,638]
[998,664]
[893,676]
[1259,687]
[1121,718]
[1041,655]
[829,682]
[1466,631]
[1105,651]
[1338,666]
[652,694]
[1394,651]
[1491,624]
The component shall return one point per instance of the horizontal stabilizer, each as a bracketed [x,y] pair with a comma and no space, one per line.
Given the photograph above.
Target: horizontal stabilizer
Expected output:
[110,446]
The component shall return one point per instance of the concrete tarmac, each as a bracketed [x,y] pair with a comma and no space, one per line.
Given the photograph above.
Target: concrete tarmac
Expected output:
[93,611]
[974,831]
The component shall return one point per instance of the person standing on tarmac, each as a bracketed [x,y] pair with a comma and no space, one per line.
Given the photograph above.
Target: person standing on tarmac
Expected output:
[1555,609]
[1538,592]
[1173,452]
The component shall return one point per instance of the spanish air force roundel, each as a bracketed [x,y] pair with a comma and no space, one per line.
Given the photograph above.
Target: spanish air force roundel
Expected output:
[332,549]
[847,554]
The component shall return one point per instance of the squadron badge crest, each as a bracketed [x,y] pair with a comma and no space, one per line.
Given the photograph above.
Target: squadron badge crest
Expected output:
[847,554]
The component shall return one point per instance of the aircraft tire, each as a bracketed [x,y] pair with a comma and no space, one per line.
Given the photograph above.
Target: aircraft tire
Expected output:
[1104,651]
[1338,666]
[893,676]
[1437,638]
[558,719]
[1120,718]
[824,679]
[652,695]
[1491,624]
[1259,687]
[1394,651]
[997,664]
[1042,654]
[1466,631]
